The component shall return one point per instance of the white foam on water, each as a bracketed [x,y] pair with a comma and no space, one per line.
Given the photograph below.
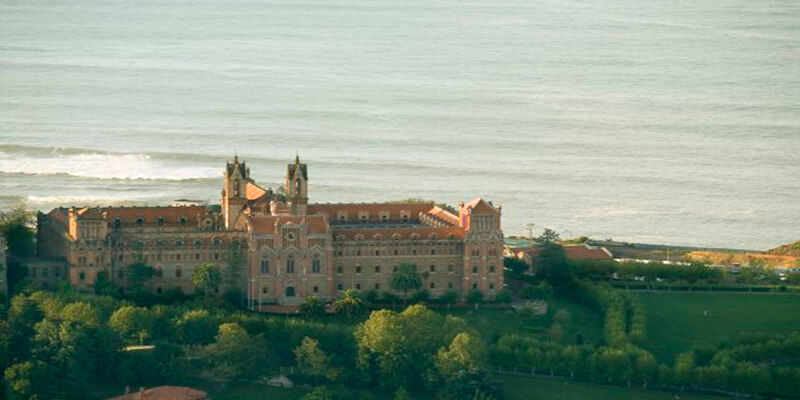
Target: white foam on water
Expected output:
[103,166]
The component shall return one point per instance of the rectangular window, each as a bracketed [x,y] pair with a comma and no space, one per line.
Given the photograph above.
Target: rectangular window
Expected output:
[339,270]
[358,269]
[491,269]
[338,286]
[377,269]
[264,290]
[377,252]
[290,266]
[450,268]
[316,289]
[358,286]
[433,268]
[82,275]
[474,286]
[377,286]
[491,286]
[315,266]
[449,285]
[433,285]
[475,270]
[264,266]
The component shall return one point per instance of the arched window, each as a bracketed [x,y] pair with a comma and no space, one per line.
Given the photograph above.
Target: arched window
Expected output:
[139,221]
[264,266]
[316,265]
[290,265]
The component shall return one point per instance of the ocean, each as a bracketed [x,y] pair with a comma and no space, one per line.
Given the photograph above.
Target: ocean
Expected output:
[674,122]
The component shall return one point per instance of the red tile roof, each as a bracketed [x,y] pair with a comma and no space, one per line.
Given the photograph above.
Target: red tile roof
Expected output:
[253,191]
[268,224]
[165,393]
[403,233]
[479,206]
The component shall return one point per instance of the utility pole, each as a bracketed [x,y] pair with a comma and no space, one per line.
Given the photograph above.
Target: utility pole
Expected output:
[529,228]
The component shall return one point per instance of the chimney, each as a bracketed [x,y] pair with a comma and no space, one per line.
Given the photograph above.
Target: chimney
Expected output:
[127,390]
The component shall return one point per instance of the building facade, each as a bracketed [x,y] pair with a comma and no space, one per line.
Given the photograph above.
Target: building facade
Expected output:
[288,248]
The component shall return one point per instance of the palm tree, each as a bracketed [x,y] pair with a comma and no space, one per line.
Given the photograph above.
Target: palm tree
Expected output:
[406,279]
[312,308]
[349,304]
[206,277]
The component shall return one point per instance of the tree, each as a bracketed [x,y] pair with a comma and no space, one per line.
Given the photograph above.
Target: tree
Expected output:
[475,296]
[139,275]
[504,296]
[449,297]
[81,312]
[313,363]
[23,315]
[234,355]
[233,277]
[132,322]
[29,380]
[397,349]
[196,327]
[206,277]
[515,265]
[349,303]
[319,393]
[103,284]
[406,280]
[18,226]
[465,353]
[312,308]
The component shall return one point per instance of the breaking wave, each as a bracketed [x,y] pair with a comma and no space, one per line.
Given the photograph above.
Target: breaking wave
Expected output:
[97,164]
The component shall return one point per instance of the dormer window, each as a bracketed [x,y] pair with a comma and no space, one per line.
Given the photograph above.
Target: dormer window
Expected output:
[217,242]
[183,220]
[179,243]
[117,223]
[140,221]
[160,221]
[198,242]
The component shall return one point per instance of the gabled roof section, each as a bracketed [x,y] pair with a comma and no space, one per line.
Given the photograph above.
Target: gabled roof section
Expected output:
[479,206]
[443,215]
[253,191]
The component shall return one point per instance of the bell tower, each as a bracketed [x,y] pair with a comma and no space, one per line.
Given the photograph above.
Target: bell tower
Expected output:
[297,187]
[234,198]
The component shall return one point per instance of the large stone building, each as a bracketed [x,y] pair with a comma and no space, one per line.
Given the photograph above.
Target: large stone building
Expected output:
[290,248]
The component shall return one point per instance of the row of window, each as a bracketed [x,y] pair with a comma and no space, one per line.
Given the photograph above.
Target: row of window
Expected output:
[45,272]
[176,243]
[377,286]
[396,252]
[167,257]
[316,265]
[158,221]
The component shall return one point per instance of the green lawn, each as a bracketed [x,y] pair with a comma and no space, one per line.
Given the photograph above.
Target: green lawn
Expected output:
[675,321]
[491,322]
[522,388]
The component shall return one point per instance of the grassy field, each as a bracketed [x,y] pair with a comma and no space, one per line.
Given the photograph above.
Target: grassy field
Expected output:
[493,322]
[517,388]
[522,388]
[675,321]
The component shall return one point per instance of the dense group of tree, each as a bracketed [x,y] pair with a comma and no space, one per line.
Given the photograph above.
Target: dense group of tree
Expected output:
[64,345]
